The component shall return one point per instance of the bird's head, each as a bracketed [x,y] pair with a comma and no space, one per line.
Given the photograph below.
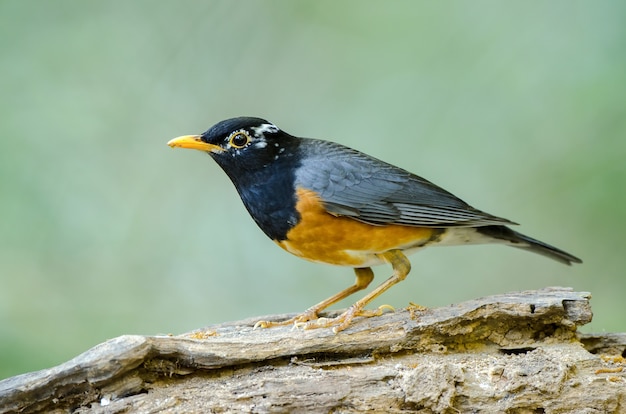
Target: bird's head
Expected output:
[240,144]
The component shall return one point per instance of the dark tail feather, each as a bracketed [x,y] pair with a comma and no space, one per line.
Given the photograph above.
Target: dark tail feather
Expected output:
[527,243]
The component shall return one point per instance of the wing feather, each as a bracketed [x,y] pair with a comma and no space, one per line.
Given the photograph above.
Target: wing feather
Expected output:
[356,185]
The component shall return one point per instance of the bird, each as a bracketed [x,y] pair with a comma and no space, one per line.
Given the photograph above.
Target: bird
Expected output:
[328,203]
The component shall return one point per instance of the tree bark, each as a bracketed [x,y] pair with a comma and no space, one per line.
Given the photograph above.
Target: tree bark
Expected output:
[512,353]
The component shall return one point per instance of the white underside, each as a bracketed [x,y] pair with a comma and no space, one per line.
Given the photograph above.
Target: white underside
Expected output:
[457,236]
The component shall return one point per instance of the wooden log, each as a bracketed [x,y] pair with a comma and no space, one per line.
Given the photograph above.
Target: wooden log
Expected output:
[513,353]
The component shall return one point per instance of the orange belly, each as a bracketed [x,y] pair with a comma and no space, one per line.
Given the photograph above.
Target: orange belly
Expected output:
[322,237]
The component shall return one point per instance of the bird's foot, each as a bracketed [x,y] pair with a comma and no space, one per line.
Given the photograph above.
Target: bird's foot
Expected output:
[305,317]
[342,321]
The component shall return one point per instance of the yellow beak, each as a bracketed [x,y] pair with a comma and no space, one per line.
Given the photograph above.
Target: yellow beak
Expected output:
[194,142]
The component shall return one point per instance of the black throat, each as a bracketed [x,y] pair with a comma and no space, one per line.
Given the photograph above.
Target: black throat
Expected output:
[268,192]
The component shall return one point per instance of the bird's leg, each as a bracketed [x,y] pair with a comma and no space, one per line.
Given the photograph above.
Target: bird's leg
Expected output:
[401,267]
[364,277]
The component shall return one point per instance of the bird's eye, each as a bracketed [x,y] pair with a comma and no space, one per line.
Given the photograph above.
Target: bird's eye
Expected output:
[239,139]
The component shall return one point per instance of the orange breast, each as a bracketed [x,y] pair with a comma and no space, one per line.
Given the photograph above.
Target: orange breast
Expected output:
[322,237]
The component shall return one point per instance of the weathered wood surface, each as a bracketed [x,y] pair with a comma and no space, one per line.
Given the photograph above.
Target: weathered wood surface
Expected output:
[513,353]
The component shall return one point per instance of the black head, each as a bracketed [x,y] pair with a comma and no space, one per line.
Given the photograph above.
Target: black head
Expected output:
[261,161]
[241,144]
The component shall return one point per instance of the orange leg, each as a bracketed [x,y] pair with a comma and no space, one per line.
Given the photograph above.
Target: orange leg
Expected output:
[364,277]
[401,268]
[308,320]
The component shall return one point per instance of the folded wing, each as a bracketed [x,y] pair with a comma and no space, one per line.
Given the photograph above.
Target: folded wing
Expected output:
[356,185]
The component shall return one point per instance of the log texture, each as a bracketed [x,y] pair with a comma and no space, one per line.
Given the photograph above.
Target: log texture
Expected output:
[512,353]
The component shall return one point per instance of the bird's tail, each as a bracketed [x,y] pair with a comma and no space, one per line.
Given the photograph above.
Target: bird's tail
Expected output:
[521,241]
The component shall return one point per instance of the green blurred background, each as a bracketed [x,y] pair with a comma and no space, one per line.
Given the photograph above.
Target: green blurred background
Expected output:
[516,107]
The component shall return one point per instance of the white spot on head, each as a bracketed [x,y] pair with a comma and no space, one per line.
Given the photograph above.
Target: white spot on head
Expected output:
[260,144]
[271,128]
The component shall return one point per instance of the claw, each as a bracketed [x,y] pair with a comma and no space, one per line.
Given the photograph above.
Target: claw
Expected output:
[379,311]
[382,308]
[261,324]
[298,320]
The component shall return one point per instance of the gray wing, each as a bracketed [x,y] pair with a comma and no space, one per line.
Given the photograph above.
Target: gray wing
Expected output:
[356,185]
